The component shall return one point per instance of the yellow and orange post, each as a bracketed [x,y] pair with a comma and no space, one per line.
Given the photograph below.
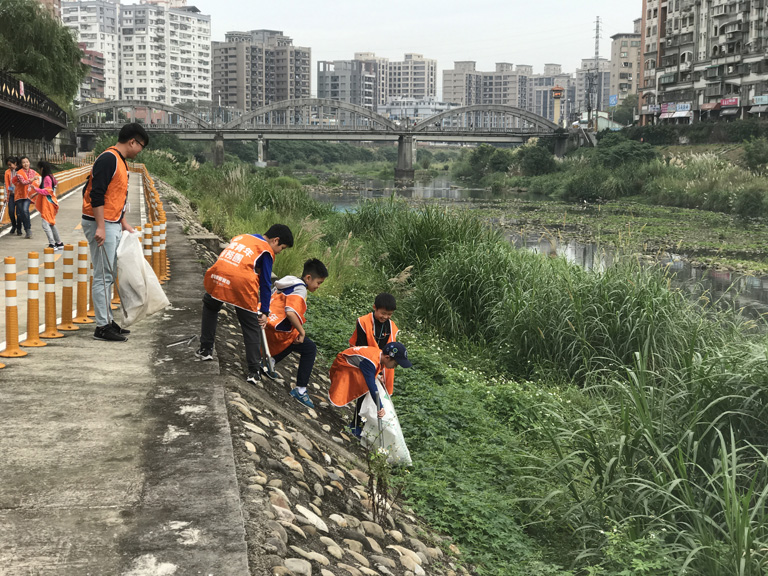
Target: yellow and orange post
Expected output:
[33,302]
[82,284]
[156,249]
[148,242]
[50,297]
[12,349]
[67,323]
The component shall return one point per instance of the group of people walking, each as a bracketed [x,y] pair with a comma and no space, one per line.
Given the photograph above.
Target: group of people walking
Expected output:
[22,187]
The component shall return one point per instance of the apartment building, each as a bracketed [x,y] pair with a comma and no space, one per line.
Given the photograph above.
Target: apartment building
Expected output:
[412,110]
[463,84]
[53,6]
[253,69]
[507,84]
[540,98]
[380,68]
[96,25]
[703,60]
[92,87]
[351,81]
[593,85]
[414,77]
[165,54]
[625,63]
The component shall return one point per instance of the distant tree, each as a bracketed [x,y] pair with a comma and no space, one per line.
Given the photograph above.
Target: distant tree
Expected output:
[624,113]
[38,49]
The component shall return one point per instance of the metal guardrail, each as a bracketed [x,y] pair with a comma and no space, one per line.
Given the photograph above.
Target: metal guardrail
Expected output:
[30,98]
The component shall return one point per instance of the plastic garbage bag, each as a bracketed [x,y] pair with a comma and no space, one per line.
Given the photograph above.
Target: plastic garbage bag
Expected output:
[390,437]
[140,292]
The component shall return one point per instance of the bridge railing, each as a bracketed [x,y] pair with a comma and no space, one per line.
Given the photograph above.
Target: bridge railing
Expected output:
[30,98]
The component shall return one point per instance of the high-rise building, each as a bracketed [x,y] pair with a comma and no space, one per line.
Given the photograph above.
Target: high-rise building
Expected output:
[625,63]
[507,84]
[95,23]
[92,86]
[463,84]
[593,85]
[54,6]
[252,69]
[380,68]
[540,99]
[165,53]
[351,81]
[413,77]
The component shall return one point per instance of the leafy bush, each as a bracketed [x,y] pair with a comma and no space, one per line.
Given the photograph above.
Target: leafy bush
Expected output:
[613,152]
[535,161]
[750,201]
[756,154]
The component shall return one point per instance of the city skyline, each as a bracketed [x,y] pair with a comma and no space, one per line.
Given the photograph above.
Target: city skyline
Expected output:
[548,31]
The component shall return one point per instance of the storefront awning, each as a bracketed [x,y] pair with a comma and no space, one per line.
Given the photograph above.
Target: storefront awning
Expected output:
[729,111]
[667,115]
[683,114]
[758,109]
[709,106]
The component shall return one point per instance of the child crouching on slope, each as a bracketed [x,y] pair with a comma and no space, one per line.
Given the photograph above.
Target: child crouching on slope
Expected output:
[285,327]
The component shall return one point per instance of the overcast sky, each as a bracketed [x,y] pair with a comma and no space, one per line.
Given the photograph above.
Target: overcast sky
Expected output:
[488,31]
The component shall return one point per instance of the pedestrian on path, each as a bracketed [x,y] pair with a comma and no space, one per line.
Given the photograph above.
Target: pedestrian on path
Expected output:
[242,276]
[24,182]
[10,204]
[104,203]
[47,204]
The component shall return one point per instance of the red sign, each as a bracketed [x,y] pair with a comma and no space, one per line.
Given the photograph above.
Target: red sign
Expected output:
[729,102]
[21,88]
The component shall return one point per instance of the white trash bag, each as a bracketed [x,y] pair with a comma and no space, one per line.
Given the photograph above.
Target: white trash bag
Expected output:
[391,436]
[140,292]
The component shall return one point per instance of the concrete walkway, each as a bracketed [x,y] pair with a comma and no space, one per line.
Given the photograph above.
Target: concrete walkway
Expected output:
[117,457]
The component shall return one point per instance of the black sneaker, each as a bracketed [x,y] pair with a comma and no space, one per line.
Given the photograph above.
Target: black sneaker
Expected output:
[108,334]
[204,354]
[119,330]
[254,378]
[271,375]
[13,231]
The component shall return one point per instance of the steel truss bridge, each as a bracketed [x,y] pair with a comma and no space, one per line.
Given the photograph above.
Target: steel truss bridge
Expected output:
[321,119]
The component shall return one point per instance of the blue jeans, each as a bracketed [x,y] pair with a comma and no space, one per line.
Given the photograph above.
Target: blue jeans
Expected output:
[12,210]
[22,215]
[103,275]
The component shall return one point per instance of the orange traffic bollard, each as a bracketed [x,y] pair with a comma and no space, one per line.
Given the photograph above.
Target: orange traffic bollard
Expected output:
[82,284]
[67,290]
[163,253]
[33,301]
[50,297]
[12,349]
[156,249]
[148,242]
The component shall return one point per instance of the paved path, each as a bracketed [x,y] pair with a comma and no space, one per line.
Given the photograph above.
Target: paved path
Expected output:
[116,458]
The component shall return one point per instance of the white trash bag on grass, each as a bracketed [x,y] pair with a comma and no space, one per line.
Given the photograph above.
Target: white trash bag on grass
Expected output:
[140,292]
[390,438]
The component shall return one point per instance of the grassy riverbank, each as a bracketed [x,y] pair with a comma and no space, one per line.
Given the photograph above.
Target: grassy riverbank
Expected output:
[560,421]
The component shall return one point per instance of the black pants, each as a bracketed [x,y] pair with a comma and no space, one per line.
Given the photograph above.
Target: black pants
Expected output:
[11,209]
[249,323]
[307,351]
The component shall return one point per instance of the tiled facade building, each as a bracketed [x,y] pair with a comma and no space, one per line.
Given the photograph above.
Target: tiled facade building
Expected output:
[626,53]
[413,77]
[351,81]
[703,60]
[92,86]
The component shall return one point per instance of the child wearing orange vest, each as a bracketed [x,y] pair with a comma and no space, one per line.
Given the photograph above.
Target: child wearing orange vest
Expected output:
[47,205]
[24,180]
[242,276]
[377,330]
[354,371]
[285,327]
[10,198]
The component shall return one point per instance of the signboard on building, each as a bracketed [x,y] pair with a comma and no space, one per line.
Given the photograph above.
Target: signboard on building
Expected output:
[683,106]
[729,102]
[668,107]
[760,100]
[613,100]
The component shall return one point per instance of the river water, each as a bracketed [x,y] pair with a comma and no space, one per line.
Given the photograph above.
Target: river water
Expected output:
[726,288]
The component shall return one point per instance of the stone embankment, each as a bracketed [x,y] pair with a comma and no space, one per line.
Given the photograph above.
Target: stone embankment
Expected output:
[305,486]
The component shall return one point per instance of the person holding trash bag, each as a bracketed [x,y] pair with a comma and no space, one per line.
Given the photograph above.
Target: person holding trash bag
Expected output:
[354,371]
[105,197]
[242,276]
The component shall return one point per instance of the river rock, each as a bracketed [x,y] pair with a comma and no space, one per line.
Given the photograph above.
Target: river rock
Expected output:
[317,470]
[276,545]
[351,569]
[372,529]
[336,552]
[318,488]
[284,434]
[254,428]
[368,571]
[283,514]
[298,566]
[384,561]
[359,557]
[353,545]
[396,535]
[295,529]
[278,529]
[292,464]
[313,518]
[374,545]
[341,522]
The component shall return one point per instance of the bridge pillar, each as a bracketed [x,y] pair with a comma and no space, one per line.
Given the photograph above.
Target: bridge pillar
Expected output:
[261,150]
[561,146]
[218,149]
[405,154]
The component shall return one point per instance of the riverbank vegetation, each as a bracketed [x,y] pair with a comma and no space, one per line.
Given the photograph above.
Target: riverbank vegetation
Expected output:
[561,421]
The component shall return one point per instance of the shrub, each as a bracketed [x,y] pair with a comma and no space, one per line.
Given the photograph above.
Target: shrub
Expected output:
[750,201]
[756,154]
[535,161]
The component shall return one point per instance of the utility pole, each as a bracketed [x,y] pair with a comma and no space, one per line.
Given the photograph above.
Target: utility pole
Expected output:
[598,84]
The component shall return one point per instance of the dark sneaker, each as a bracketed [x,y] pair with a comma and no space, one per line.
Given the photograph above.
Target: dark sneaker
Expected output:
[303,398]
[59,247]
[356,431]
[51,246]
[270,374]
[28,236]
[254,378]
[119,330]
[108,334]
[204,354]
[19,232]
[13,231]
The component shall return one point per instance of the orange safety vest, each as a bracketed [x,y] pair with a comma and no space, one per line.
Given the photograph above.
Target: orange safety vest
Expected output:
[24,191]
[347,382]
[8,182]
[366,322]
[278,338]
[233,278]
[47,205]
[117,191]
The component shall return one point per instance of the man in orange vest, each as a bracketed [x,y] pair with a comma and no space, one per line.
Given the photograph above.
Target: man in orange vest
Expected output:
[104,204]
[354,371]
[242,276]
[376,329]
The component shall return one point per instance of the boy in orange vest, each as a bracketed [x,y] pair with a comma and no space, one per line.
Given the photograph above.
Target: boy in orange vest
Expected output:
[354,371]
[242,276]
[285,327]
[376,329]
